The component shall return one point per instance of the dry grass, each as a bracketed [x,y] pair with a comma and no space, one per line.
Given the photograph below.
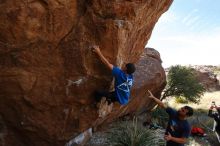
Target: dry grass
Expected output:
[205,101]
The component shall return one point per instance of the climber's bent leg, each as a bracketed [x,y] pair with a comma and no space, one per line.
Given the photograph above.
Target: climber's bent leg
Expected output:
[111,97]
[100,94]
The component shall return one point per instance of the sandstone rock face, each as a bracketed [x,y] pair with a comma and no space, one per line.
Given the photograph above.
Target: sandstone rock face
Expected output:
[49,73]
[151,76]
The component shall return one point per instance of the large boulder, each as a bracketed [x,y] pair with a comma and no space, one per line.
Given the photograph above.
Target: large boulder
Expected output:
[49,73]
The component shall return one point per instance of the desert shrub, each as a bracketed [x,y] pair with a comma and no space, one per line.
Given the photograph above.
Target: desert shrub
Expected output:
[160,116]
[134,134]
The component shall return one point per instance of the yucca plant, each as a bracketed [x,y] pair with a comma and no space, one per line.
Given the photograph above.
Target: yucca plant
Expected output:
[134,134]
[160,117]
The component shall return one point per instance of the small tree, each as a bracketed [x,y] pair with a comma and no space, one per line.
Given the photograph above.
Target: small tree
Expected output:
[182,83]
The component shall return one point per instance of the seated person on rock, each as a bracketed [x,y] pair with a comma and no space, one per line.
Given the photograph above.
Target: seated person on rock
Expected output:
[178,128]
[123,81]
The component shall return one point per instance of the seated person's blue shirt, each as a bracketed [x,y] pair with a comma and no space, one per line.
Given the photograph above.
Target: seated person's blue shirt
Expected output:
[176,127]
[123,83]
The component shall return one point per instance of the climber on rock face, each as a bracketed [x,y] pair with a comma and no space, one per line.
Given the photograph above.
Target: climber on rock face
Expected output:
[123,81]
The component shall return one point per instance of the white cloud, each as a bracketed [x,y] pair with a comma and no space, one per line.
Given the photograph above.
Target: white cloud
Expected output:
[189,16]
[217,28]
[192,20]
[188,34]
[188,49]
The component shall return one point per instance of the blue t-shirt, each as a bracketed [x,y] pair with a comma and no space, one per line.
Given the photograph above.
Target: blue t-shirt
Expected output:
[176,127]
[123,83]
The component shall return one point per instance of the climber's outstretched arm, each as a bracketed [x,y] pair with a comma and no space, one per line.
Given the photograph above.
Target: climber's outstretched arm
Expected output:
[102,57]
[159,102]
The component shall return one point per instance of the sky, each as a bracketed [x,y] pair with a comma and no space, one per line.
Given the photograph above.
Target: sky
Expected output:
[188,33]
